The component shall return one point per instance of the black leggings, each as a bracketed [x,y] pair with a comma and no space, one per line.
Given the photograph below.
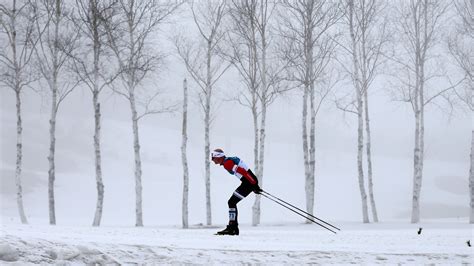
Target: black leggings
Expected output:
[240,193]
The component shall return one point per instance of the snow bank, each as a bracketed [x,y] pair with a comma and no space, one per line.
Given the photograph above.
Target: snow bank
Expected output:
[8,253]
[386,243]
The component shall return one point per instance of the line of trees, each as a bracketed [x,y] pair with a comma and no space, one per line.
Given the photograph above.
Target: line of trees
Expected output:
[61,45]
[309,50]
[461,50]
[252,50]
[365,45]
[92,71]
[311,47]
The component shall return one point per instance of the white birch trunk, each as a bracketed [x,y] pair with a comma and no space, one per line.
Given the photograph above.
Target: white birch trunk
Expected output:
[256,205]
[253,66]
[364,25]
[422,99]
[360,139]
[97,153]
[52,146]
[184,157]
[415,216]
[312,153]
[471,170]
[17,24]
[131,79]
[420,58]
[19,127]
[261,149]
[308,86]
[471,177]
[207,125]
[369,159]
[97,115]
[305,146]
[419,156]
[360,151]
[19,156]
[138,163]
[54,110]
[254,107]
[207,151]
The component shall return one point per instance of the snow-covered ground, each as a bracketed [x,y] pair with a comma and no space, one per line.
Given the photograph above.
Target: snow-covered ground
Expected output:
[385,243]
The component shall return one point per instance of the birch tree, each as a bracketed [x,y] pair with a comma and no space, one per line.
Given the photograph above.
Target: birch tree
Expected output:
[251,49]
[130,32]
[308,46]
[56,43]
[367,37]
[95,70]
[461,50]
[244,43]
[418,25]
[184,157]
[17,25]
[204,64]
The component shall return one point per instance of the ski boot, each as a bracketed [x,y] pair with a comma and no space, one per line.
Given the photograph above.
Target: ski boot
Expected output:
[232,230]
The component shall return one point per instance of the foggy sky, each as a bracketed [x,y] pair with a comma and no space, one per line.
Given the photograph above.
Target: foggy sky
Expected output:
[447,137]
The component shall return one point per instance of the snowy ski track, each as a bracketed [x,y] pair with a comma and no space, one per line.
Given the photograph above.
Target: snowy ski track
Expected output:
[272,245]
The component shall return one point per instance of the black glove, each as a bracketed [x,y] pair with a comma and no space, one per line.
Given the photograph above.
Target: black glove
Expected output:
[256,189]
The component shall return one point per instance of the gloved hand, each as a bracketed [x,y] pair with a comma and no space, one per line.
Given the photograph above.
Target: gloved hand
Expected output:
[256,189]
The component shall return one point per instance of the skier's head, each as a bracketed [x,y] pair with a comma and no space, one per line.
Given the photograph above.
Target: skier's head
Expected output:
[217,156]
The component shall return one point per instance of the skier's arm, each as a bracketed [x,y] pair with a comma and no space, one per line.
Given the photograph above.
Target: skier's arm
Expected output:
[246,174]
[231,166]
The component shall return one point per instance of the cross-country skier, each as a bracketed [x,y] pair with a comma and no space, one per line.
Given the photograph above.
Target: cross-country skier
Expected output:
[235,166]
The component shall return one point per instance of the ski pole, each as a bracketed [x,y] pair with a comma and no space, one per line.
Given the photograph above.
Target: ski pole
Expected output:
[300,214]
[277,198]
